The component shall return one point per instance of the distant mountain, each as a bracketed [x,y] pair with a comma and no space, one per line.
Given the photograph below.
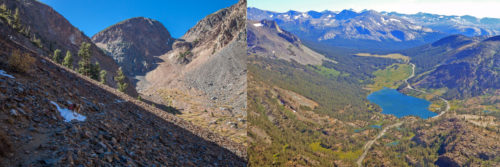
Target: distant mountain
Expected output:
[465,25]
[469,69]
[41,22]
[429,56]
[135,44]
[267,38]
[367,29]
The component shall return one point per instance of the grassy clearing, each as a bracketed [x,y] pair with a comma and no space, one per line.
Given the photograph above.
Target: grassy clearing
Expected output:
[324,71]
[316,146]
[391,77]
[388,56]
[350,155]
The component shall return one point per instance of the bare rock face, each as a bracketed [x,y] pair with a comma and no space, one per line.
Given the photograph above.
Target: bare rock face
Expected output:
[219,28]
[135,44]
[55,32]
[223,76]
[205,73]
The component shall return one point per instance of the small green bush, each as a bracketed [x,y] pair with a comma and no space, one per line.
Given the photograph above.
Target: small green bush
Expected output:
[21,62]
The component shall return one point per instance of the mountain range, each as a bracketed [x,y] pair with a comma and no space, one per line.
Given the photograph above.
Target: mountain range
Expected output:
[372,30]
[465,25]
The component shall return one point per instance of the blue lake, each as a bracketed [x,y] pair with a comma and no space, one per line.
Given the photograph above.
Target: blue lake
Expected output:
[376,126]
[394,143]
[393,102]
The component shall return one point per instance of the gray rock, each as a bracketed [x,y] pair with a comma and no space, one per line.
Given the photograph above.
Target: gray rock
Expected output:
[13,112]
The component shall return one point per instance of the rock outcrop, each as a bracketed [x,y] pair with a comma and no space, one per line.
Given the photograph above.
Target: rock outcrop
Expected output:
[460,142]
[135,44]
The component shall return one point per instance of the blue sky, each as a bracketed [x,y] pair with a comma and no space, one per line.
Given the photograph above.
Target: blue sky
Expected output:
[478,8]
[92,16]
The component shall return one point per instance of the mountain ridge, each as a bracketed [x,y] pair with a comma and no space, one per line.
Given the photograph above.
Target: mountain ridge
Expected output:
[135,44]
[55,32]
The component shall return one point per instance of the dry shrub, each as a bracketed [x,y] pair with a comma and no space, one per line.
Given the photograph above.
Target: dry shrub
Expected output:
[21,62]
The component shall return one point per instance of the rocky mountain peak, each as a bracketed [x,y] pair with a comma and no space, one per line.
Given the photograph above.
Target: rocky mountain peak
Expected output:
[223,25]
[346,14]
[135,44]
[269,24]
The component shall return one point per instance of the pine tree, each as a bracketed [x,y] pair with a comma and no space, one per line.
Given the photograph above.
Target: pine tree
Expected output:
[94,71]
[102,76]
[120,79]
[68,60]
[57,56]
[84,63]
[17,20]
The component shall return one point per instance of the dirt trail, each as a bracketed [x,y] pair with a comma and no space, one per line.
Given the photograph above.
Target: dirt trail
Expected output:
[369,144]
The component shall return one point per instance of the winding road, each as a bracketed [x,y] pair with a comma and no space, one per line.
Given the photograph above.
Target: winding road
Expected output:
[410,87]
[369,144]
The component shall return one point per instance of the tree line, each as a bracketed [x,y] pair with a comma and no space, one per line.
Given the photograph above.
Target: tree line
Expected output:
[85,66]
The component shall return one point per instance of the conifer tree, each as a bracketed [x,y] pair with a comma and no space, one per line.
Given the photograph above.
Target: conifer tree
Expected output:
[84,63]
[94,71]
[102,76]
[120,79]
[68,60]
[57,56]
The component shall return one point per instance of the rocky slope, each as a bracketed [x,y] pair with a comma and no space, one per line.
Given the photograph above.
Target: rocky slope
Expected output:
[461,143]
[469,71]
[41,22]
[267,39]
[367,28]
[204,74]
[117,129]
[135,44]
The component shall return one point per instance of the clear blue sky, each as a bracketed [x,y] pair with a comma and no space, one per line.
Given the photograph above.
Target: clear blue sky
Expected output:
[92,16]
[478,8]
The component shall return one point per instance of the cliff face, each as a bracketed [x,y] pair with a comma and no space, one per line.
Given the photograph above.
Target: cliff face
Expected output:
[135,44]
[55,32]
[220,28]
